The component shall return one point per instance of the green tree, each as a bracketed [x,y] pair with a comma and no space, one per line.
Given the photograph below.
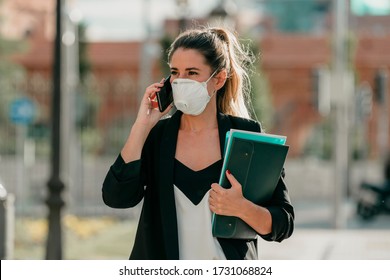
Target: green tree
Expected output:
[85,99]
[260,92]
[84,63]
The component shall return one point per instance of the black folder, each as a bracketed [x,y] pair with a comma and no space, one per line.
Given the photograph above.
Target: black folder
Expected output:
[256,160]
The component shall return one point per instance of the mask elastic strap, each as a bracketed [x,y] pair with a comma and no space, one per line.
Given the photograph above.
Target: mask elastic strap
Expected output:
[211,76]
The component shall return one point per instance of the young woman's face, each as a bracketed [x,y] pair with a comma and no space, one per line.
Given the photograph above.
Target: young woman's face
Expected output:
[189,64]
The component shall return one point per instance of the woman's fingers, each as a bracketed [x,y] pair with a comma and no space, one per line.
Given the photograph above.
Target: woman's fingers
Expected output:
[226,201]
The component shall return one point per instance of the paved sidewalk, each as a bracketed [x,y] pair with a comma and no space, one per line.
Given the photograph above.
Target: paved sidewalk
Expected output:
[315,244]
[316,239]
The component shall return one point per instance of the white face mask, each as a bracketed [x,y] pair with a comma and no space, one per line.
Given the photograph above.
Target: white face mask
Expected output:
[189,96]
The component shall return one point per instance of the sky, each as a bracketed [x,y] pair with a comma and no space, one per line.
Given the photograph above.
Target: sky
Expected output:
[127,19]
[379,7]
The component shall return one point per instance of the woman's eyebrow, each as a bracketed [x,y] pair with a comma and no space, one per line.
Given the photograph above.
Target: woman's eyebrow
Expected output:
[192,68]
[187,69]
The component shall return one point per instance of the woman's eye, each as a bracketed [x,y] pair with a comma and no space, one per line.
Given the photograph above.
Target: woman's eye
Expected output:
[191,73]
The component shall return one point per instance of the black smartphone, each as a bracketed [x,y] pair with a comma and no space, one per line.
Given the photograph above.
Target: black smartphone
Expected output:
[165,96]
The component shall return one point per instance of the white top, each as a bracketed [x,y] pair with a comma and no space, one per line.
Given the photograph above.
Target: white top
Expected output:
[196,241]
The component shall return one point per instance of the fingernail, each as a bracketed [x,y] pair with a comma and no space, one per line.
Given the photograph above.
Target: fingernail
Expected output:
[228,171]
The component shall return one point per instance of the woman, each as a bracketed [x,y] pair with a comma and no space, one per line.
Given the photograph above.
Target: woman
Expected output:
[173,164]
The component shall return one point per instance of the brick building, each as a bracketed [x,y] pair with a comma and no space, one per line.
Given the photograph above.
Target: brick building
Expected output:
[288,62]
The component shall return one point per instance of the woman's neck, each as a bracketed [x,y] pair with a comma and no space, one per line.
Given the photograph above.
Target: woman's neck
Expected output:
[205,121]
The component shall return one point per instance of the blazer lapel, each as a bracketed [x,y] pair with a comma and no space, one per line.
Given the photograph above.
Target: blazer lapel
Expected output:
[224,125]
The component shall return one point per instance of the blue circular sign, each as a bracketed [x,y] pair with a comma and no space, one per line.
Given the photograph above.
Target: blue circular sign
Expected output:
[22,111]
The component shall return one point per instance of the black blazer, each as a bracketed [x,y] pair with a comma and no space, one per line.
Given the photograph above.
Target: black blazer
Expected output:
[151,179]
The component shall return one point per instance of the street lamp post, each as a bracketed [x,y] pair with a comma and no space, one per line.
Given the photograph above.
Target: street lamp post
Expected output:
[223,13]
[183,10]
[55,185]
[381,86]
[341,88]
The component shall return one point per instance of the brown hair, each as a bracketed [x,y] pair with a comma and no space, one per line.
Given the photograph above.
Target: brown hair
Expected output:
[222,50]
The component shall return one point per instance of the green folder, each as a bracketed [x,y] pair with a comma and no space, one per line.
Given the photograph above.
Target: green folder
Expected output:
[256,160]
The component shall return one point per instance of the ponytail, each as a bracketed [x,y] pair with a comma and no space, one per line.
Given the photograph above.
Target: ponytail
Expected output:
[235,96]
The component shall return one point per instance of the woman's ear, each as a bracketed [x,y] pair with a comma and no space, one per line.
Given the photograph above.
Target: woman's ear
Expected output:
[221,79]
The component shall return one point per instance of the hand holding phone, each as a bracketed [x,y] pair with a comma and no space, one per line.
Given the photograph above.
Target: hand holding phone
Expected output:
[165,96]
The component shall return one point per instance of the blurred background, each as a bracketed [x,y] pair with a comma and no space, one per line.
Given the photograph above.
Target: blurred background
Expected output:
[72,73]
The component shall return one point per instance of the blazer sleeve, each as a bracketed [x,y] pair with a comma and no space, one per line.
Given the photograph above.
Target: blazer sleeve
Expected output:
[122,186]
[282,213]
